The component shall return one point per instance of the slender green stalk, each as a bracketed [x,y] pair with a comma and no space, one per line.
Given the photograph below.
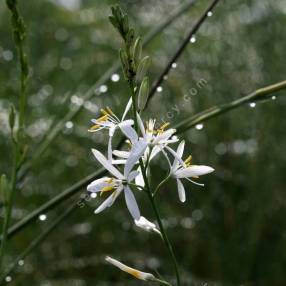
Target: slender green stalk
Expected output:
[37,241]
[181,48]
[259,94]
[19,34]
[150,196]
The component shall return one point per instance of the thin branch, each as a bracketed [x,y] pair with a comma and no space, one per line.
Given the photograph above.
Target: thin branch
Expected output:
[259,94]
[181,48]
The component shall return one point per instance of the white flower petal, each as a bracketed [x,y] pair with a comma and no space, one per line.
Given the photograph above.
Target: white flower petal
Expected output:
[132,175]
[139,180]
[141,125]
[164,136]
[181,191]
[98,184]
[146,225]
[180,152]
[119,162]
[175,155]
[106,164]
[121,154]
[193,171]
[131,203]
[128,131]
[109,150]
[109,201]
[136,152]
[127,108]
[132,271]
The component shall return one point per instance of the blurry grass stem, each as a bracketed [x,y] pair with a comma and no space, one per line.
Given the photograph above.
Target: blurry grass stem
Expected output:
[18,149]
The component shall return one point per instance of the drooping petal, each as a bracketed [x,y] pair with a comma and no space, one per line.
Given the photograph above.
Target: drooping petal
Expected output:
[106,164]
[132,271]
[193,171]
[136,152]
[109,201]
[128,130]
[181,191]
[180,152]
[127,108]
[131,203]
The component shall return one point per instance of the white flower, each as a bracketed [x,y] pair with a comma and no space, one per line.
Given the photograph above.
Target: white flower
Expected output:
[110,121]
[156,139]
[120,181]
[146,225]
[134,272]
[185,170]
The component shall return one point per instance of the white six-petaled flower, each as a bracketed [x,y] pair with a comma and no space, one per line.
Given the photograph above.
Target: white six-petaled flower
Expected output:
[185,170]
[120,182]
[110,121]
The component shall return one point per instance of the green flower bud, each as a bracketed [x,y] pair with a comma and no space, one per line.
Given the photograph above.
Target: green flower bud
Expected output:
[143,93]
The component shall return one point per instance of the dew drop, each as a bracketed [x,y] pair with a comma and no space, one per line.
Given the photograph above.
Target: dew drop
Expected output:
[210,13]
[42,217]
[115,77]
[193,39]
[159,89]
[103,88]
[174,65]
[199,126]
[252,104]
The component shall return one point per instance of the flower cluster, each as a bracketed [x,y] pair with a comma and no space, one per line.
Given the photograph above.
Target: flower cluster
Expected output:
[127,167]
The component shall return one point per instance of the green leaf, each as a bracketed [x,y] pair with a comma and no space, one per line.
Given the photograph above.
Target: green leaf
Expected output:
[143,93]
[137,51]
[143,68]
[12,117]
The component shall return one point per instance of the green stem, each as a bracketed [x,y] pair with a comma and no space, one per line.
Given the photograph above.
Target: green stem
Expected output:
[259,94]
[150,196]
[10,201]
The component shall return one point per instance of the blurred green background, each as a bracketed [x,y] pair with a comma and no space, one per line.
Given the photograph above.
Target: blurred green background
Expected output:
[231,232]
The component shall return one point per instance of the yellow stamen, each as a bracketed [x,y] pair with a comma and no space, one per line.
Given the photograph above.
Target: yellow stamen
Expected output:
[106,189]
[104,112]
[102,118]
[110,111]
[188,160]
[164,126]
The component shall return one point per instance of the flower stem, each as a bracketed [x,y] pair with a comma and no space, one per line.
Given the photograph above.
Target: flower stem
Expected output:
[150,195]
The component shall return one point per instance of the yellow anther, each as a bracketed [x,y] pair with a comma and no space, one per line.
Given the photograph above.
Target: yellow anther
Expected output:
[165,125]
[109,110]
[104,112]
[188,161]
[106,189]
[102,118]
